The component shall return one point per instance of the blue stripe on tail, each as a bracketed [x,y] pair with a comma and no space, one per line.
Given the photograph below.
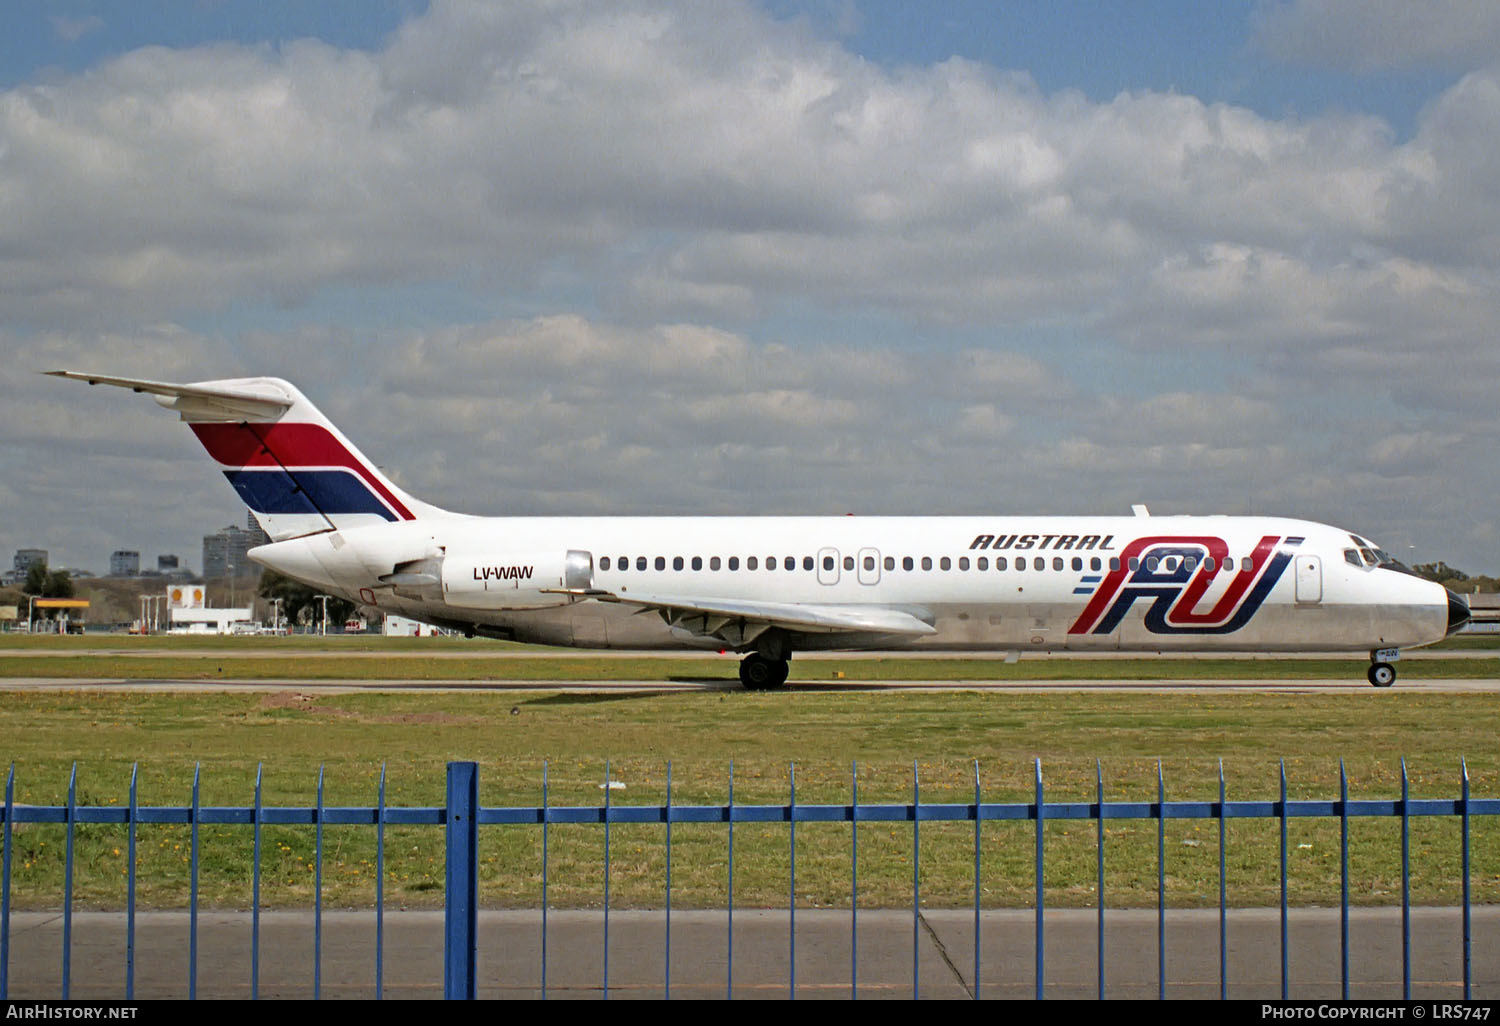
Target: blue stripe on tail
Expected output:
[314,492]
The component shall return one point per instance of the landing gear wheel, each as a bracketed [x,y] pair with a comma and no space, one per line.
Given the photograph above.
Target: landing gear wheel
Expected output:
[1382,675]
[758,673]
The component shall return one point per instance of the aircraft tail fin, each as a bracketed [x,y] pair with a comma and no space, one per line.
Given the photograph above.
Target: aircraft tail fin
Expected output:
[289,463]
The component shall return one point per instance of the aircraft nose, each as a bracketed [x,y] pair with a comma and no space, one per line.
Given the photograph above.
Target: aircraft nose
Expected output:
[1458,613]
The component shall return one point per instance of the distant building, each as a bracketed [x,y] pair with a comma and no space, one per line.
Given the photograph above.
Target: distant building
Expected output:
[258,536]
[202,620]
[224,552]
[25,558]
[124,563]
[166,564]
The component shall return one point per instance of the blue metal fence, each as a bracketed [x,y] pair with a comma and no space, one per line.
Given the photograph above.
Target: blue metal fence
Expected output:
[462,817]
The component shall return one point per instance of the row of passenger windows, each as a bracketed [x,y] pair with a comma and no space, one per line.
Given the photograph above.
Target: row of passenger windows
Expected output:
[1169,564]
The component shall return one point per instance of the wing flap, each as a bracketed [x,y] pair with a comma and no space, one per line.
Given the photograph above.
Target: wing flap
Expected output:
[713,616]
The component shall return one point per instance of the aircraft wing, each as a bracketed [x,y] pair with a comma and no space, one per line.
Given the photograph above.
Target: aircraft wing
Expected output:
[738,621]
[200,401]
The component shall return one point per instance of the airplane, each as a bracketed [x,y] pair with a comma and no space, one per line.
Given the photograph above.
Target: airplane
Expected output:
[767,587]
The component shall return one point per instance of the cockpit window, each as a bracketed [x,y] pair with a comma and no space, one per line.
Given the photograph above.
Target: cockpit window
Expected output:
[1351,556]
[1374,556]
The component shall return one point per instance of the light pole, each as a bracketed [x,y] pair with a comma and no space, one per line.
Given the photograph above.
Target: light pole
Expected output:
[276,615]
[324,599]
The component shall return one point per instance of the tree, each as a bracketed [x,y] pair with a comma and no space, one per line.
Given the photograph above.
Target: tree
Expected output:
[44,583]
[36,579]
[59,585]
[1439,571]
[300,602]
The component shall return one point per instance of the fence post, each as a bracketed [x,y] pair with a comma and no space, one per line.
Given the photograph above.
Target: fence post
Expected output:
[461,885]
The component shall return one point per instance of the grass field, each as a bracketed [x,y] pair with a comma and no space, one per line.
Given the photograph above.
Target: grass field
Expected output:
[512,735]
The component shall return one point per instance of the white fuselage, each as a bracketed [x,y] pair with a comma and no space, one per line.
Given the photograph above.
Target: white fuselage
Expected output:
[981,583]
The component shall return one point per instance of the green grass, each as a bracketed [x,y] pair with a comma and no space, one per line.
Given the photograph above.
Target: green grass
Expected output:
[512,735]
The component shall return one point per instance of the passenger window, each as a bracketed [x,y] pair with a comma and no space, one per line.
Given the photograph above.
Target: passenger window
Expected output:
[770,562]
[623,562]
[945,563]
[640,562]
[713,563]
[1057,562]
[603,562]
[1152,564]
[1228,562]
[963,562]
[848,562]
[1190,564]
[827,562]
[1077,563]
[981,563]
[1039,563]
[1094,564]
[906,563]
[807,562]
[1135,563]
[890,562]
[751,563]
[926,562]
[697,562]
[676,562]
[1247,565]
[1001,563]
[790,562]
[1020,562]
[734,562]
[661,562]
[1209,564]
[1114,563]
[869,562]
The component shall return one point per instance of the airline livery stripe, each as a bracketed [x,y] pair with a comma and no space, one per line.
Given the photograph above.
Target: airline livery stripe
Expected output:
[295,447]
[312,492]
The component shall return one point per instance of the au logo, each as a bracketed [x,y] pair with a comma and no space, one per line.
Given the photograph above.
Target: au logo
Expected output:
[1175,575]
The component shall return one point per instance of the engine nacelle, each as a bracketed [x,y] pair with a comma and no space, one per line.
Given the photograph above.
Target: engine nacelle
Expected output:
[515,580]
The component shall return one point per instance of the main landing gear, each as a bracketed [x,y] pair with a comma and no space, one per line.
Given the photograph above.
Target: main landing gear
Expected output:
[759,673]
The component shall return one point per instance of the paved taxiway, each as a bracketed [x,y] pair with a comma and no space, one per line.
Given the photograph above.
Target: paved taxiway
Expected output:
[509,957]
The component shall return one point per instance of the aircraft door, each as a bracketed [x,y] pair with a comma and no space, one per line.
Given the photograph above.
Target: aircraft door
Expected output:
[828,566]
[869,566]
[1309,579]
[578,569]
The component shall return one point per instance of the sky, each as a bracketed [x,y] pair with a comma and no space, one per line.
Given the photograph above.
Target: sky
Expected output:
[772,257]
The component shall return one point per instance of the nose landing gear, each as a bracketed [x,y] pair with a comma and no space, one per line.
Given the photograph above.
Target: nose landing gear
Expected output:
[1382,675]
[760,673]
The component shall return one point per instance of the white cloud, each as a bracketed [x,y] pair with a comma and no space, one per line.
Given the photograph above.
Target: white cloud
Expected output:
[1372,35]
[71,30]
[723,163]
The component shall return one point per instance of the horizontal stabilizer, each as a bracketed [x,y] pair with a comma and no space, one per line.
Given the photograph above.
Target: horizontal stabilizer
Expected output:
[201,401]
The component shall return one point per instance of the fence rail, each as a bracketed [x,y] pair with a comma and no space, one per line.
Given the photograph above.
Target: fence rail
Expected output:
[462,817]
